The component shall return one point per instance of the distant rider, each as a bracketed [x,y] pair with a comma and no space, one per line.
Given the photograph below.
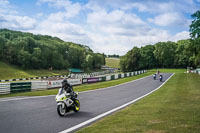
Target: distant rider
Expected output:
[68,88]
[161,77]
[158,72]
[154,76]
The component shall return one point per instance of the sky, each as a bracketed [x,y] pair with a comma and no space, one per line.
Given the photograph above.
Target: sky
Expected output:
[106,26]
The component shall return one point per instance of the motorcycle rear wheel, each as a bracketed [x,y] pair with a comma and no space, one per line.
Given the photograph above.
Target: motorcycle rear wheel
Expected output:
[76,105]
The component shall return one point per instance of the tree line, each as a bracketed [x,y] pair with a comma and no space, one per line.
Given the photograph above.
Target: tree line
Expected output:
[166,54]
[163,55]
[113,56]
[43,52]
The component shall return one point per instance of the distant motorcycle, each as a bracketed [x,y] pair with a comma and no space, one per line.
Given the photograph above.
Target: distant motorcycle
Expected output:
[154,76]
[65,104]
[161,78]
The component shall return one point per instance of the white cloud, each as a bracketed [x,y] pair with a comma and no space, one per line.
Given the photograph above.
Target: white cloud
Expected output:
[115,22]
[16,22]
[157,6]
[117,32]
[150,6]
[39,15]
[62,29]
[3,5]
[170,19]
[6,8]
[9,17]
[70,9]
[141,7]
[111,44]
[181,35]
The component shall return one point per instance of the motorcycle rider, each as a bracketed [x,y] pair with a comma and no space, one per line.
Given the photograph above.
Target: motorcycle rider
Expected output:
[154,76]
[161,77]
[68,89]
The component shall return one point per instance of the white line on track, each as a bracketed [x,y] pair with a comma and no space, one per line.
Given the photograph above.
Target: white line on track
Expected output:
[111,111]
[33,97]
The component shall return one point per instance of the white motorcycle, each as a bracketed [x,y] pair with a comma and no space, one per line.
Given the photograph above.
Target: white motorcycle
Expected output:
[65,103]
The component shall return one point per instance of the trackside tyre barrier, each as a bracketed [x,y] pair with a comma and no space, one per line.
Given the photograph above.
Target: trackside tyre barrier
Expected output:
[135,73]
[116,76]
[33,78]
[39,85]
[6,88]
[119,76]
[122,75]
[108,78]
[125,75]
[57,83]
[111,77]
[20,87]
[130,74]
[103,78]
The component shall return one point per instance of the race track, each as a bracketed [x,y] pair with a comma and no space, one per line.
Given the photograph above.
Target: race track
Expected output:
[39,115]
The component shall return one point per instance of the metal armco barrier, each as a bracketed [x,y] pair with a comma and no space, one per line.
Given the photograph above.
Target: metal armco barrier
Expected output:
[4,88]
[20,87]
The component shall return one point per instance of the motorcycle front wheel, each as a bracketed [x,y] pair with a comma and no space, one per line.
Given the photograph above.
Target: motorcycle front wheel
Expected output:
[76,105]
[61,111]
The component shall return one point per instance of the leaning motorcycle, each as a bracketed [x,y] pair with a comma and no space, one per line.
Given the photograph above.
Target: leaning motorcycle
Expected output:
[161,78]
[65,104]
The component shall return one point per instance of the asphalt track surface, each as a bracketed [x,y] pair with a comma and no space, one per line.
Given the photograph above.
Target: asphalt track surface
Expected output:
[39,115]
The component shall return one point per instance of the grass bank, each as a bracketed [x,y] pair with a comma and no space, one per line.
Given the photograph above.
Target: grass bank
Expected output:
[13,72]
[80,88]
[113,62]
[174,108]
[164,70]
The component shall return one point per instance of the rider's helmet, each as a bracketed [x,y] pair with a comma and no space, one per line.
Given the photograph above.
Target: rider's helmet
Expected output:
[64,83]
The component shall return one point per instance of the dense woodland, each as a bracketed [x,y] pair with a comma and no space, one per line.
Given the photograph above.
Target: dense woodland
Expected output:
[43,52]
[163,55]
[166,54]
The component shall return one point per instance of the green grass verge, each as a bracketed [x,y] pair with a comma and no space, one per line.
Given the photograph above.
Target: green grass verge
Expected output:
[164,70]
[113,62]
[174,108]
[80,88]
[12,72]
